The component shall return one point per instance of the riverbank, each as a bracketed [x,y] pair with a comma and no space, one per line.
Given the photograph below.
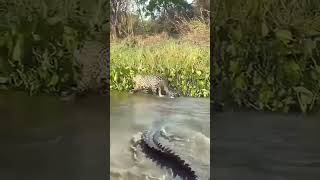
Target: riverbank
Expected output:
[184,62]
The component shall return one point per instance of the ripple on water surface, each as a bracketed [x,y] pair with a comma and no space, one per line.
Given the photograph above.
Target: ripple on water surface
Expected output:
[188,118]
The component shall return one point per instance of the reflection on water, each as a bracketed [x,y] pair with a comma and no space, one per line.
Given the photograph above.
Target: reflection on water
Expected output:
[185,117]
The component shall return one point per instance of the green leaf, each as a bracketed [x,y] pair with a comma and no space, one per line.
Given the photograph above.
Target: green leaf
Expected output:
[54,20]
[54,80]
[234,67]
[257,80]
[18,48]
[288,100]
[317,68]
[265,95]
[237,33]
[301,89]
[3,80]
[239,82]
[284,35]
[309,46]
[264,29]
[36,37]
[305,97]
[44,9]
[294,66]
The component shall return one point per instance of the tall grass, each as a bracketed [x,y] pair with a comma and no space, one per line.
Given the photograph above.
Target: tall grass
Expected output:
[185,63]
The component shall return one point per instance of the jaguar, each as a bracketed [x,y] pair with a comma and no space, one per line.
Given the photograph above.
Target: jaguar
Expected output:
[93,62]
[154,83]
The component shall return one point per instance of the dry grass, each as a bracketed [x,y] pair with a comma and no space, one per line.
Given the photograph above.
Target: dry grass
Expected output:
[197,32]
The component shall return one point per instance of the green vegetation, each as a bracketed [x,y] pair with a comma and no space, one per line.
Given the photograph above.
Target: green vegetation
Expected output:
[173,42]
[184,62]
[268,51]
[38,39]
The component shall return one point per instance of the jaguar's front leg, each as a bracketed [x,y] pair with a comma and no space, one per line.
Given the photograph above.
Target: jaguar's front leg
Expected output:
[169,93]
[159,90]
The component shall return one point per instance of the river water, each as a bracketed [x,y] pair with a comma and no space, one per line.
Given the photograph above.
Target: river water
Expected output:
[265,146]
[188,117]
[43,137]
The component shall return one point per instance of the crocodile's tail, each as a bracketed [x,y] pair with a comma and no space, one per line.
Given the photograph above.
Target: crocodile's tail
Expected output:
[166,158]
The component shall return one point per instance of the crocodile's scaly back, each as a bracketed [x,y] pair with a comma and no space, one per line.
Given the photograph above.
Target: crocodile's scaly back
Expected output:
[164,156]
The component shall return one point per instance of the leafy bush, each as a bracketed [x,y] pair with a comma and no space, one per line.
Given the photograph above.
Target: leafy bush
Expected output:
[268,51]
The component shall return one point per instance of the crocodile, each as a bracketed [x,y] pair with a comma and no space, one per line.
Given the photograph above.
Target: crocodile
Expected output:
[153,143]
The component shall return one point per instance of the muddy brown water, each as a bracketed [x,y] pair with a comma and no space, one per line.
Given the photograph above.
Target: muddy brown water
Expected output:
[188,118]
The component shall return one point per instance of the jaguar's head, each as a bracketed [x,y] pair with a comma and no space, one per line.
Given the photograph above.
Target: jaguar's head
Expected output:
[136,78]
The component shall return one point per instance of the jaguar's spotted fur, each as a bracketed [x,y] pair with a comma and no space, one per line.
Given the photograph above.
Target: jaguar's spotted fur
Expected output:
[153,83]
[93,59]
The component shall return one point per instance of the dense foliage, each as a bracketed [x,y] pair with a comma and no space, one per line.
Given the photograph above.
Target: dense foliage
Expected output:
[268,52]
[38,39]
